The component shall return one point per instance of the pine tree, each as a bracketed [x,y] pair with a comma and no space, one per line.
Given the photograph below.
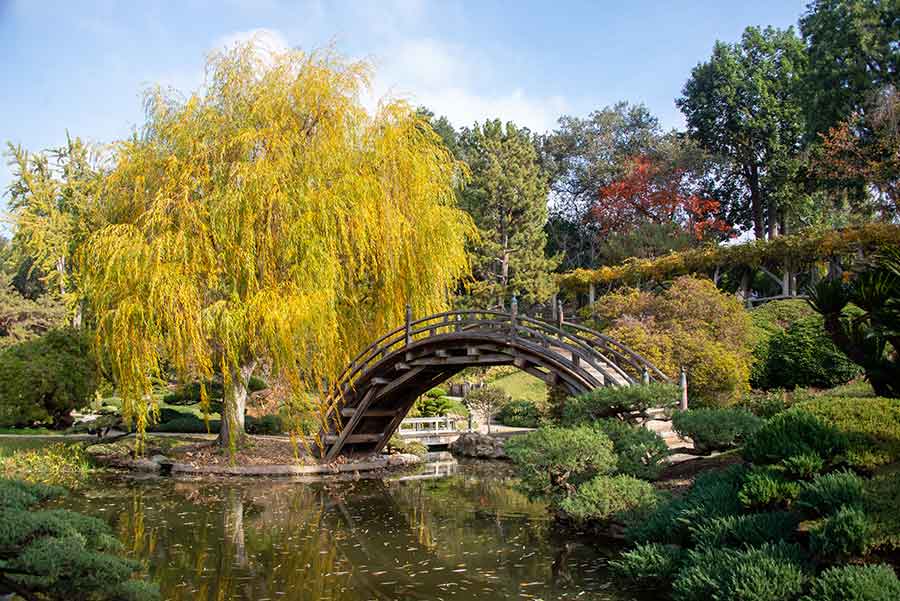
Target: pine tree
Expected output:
[507,198]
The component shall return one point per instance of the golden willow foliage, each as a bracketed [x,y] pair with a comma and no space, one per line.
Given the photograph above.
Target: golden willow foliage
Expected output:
[276,223]
[805,248]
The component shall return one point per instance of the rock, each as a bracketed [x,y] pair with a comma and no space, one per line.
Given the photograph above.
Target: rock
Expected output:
[403,459]
[144,465]
[481,446]
[159,459]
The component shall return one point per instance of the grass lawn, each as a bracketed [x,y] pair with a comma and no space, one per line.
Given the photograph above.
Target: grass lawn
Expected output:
[522,386]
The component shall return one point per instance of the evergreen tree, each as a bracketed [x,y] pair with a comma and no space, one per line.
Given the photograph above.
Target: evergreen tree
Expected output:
[507,198]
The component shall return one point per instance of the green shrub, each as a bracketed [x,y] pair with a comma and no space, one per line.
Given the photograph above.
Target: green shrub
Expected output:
[713,494]
[715,429]
[57,464]
[618,401]
[880,496]
[793,433]
[552,462]
[803,466]
[436,393]
[871,427]
[60,554]
[652,563]
[855,583]
[43,379]
[768,320]
[188,423]
[428,406]
[764,573]
[611,497]
[766,404]
[397,444]
[767,487]
[844,534]
[751,529]
[166,415]
[266,424]
[520,414]
[803,355]
[642,453]
[828,493]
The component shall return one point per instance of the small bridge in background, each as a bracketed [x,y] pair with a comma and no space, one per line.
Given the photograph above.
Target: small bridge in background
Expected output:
[381,384]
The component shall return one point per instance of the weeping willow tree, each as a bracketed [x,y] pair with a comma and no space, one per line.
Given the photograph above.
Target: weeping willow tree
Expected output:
[276,223]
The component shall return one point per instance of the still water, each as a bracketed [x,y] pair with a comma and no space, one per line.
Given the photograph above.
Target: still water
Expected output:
[468,535]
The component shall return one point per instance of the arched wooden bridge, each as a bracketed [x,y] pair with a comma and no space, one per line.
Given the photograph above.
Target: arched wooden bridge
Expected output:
[382,383]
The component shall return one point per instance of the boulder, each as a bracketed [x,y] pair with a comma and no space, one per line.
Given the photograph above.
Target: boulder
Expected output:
[480,446]
[403,459]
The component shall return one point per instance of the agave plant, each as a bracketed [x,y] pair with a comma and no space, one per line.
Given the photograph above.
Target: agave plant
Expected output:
[862,316]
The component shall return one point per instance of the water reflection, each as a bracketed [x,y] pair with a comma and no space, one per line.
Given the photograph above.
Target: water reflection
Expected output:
[466,536]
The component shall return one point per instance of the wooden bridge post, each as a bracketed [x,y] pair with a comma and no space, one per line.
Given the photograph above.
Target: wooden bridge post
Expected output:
[408,324]
[645,377]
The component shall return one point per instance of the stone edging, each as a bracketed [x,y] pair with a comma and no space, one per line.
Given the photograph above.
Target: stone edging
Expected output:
[295,470]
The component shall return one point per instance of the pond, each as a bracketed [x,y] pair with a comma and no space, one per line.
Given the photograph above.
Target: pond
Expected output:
[468,535]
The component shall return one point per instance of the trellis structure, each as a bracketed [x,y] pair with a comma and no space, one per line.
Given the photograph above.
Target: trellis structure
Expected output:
[380,386]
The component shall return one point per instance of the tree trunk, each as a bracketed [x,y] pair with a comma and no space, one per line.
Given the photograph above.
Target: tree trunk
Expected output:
[756,205]
[234,404]
[61,270]
[504,269]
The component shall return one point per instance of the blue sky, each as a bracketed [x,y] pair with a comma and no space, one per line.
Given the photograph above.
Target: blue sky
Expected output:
[82,65]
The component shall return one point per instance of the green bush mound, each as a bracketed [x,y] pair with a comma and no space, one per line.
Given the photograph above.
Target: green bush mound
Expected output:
[767,403]
[871,426]
[618,401]
[397,444]
[764,573]
[551,462]
[436,393]
[715,429]
[750,529]
[803,356]
[269,425]
[642,453]
[855,583]
[804,466]
[428,406]
[652,564]
[828,493]
[714,494]
[845,534]
[621,497]
[189,394]
[792,433]
[43,379]
[61,554]
[521,413]
[188,423]
[880,496]
[768,487]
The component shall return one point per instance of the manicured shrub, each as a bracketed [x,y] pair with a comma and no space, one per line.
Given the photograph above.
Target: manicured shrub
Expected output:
[552,462]
[618,401]
[767,404]
[642,453]
[844,534]
[61,554]
[803,355]
[651,563]
[828,493]
[397,444]
[870,425]
[880,496]
[611,497]
[764,573]
[715,429]
[855,583]
[188,423]
[803,466]
[436,393]
[713,494]
[43,379]
[166,415]
[433,406]
[793,433]
[767,487]
[520,413]
[266,424]
[740,530]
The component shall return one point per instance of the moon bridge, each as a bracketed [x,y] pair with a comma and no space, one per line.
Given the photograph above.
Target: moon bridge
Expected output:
[382,383]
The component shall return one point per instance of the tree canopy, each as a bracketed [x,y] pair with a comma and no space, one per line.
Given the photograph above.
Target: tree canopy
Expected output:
[275,221]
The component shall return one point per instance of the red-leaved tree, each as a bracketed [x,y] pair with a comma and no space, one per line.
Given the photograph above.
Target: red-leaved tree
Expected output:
[655,192]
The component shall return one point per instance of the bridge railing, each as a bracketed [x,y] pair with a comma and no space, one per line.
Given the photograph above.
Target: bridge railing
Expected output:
[424,426]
